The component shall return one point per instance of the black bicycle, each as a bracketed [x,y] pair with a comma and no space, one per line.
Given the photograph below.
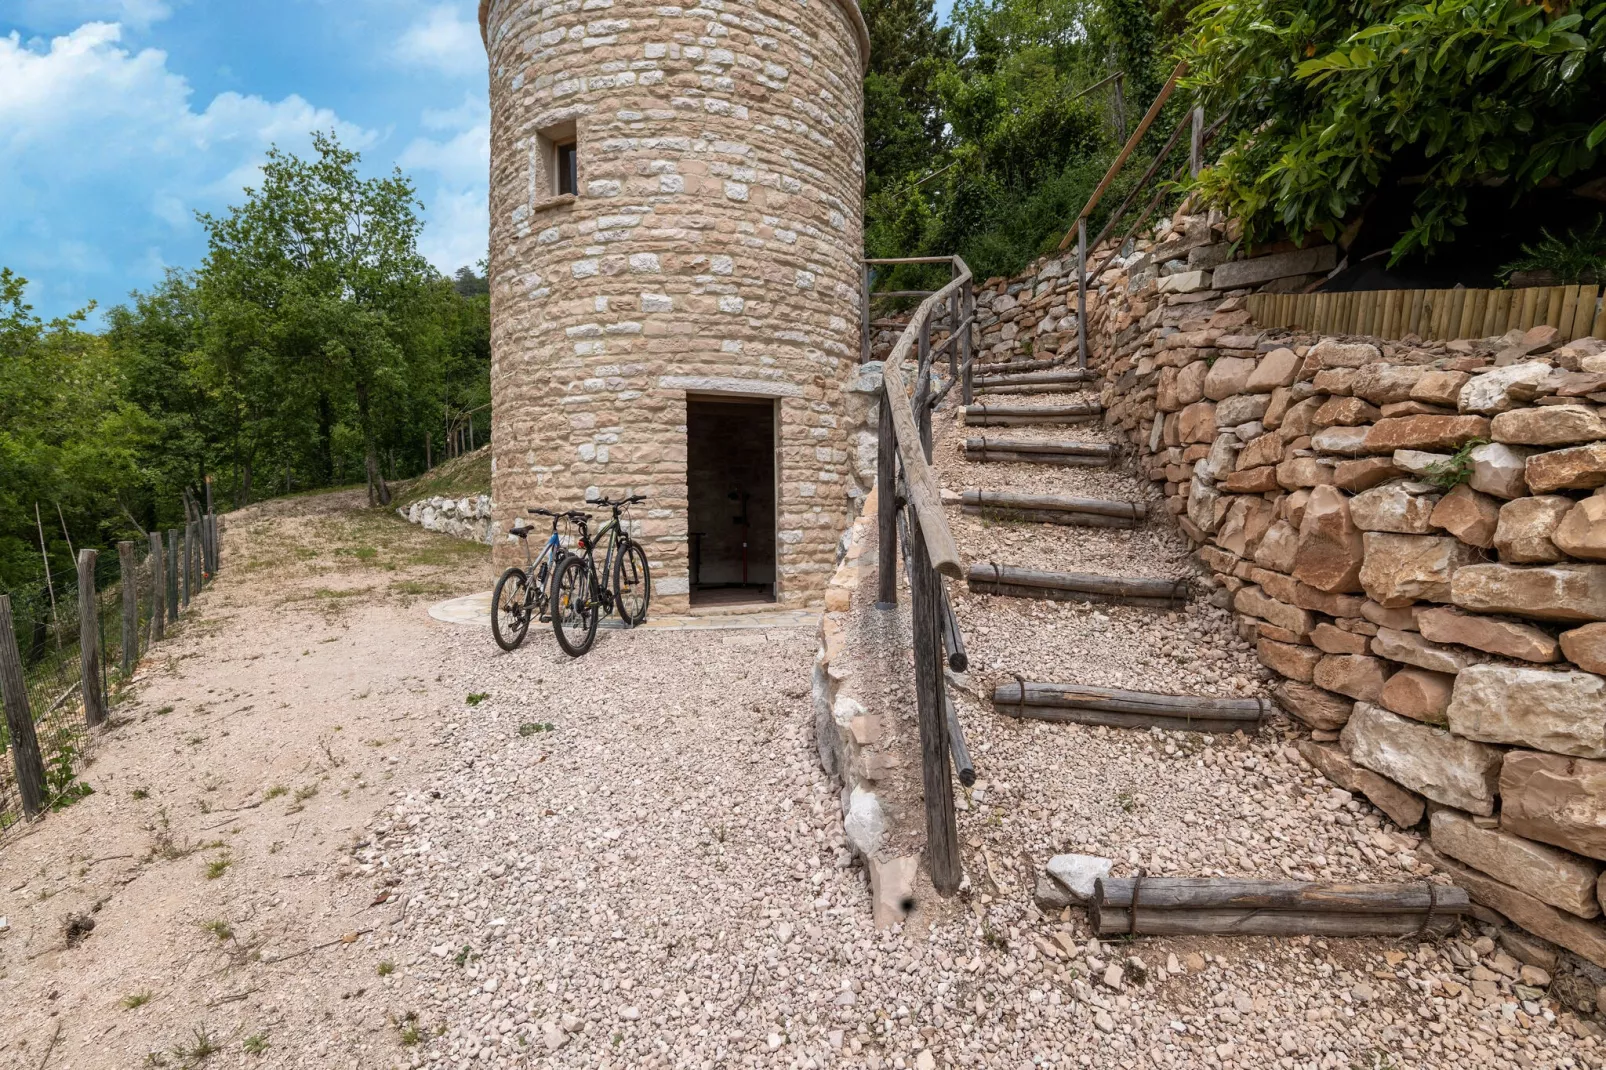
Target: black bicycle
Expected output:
[581,594]
[521,593]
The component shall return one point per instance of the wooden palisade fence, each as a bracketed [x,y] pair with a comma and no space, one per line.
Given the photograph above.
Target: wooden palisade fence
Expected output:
[1439,315]
[908,500]
[37,727]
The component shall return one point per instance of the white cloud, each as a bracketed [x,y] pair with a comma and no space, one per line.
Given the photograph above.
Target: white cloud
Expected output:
[457,218]
[445,39]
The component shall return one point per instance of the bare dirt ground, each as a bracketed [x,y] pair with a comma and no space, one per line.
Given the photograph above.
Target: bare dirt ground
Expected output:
[251,752]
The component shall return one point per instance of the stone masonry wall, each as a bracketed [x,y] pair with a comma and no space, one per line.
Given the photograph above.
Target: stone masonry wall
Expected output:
[713,248]
[465,518]
[1413,534]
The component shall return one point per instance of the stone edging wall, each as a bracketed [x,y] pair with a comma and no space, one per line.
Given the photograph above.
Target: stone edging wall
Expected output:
[1411,532]
[464,518]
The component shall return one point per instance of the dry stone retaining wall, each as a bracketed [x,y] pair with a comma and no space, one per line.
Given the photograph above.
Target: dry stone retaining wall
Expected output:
[1414,534]
[712,247]
[465,518]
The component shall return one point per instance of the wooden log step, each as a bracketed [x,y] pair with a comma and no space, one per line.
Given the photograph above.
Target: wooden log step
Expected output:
[1049,509]
[1065,447]
[983,414]
[1160,906]
[1014,367]
[1062,375]
[1033,388]
[1077,704]
[1062,460]
[989,578]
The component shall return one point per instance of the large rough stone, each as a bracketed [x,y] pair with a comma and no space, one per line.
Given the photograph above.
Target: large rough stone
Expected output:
[1241,409]
[1468,515]
[1331,640]
[1227,376]
[1586,647]
[1582,532]
[1401,569]
[1509,638]
[1364,473]
[1585,938]
[1556,800]
[1197,422]
[1386,384]
[1315,707]
[1404,508]
[1345,441]
[1345,412]
[1289,659]
[1421,464]
[1430,761]
[1526,525]
[1551,592]
[1330,551]
[1236,274]
[1277,368]
[1418,694]
[1499,469]
[1356,675]
[1297,472]
[1560,712]
[1202,501]
[1550,425]
[1486,393]
[1439,387]
[1402,807]
[1557,877]
[1425,433]
[1076,873]
[1278,547]
[1412,648]
[1580,468]
[1255,602]
[1190,383]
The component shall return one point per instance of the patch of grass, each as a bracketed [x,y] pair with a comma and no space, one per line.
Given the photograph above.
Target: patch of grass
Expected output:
[530,728]
[135,999]
[255,1044]
[217,867]
[386,968]
[361,553]
[276,791]
[1126,801]
[461,477]
[140,793]
[478,697]
[220,929]
[1447,475]
[164,711]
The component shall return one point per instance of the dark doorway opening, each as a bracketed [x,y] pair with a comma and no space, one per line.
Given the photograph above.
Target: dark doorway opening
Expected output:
[730,484]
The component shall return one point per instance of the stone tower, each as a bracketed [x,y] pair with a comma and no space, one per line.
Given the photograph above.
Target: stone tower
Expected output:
[675,254]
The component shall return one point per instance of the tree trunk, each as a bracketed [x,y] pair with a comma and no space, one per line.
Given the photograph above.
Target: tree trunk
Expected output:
[326,440]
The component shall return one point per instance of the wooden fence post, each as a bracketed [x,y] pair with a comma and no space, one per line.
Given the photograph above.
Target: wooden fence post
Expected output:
[130,585]
[25,757]
[886,481]
[172,575]
[184,567]
[217,544]
[158,588]
[925,599]
[865,280]
[967,313]
[89,639]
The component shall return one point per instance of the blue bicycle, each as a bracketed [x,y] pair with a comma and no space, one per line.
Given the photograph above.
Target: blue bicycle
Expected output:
[521,593]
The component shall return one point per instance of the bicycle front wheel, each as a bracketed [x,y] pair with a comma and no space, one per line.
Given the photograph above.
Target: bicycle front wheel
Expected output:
[510,609]
[574,607]
[632,584]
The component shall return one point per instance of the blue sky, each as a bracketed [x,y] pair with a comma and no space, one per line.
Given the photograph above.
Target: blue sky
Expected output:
[119,119]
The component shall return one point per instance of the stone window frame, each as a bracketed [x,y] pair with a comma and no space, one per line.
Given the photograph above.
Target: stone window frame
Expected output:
[549,139]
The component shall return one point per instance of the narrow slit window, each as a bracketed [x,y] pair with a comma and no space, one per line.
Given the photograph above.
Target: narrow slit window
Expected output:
[568,169]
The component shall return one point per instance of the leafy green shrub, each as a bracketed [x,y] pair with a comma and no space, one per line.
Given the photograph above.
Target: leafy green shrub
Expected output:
[1579,257]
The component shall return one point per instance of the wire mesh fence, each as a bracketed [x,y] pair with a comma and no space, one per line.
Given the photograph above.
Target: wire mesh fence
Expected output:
[69,644]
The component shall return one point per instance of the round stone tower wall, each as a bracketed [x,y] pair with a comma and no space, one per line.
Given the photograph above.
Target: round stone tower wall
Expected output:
[711,247]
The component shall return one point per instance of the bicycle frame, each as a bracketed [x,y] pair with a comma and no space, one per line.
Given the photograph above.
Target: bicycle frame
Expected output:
[612,532]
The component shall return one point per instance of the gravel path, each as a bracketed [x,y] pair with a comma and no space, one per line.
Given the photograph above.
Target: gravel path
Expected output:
[633,860]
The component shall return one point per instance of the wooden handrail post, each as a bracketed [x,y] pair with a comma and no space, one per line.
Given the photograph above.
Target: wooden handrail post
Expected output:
[25,757]
[864,313]
[1129,147]
[923,387]
[158,588]
[942,834]
[886,480]
[130,585]
[1081,292]
[968,389]
[189,562]
[1196,144]
[89,639]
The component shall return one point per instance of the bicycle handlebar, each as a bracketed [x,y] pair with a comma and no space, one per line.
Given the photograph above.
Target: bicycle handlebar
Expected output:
[607,503]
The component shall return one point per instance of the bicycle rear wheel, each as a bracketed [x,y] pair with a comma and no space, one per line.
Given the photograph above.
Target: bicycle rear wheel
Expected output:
[574,607]
[632,584]
[510,609]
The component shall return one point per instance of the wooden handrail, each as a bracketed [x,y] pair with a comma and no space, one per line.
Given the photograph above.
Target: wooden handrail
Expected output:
[1128,148]
[923,493]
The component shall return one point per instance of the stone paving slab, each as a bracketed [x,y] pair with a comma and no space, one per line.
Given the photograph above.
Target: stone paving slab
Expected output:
[474,610]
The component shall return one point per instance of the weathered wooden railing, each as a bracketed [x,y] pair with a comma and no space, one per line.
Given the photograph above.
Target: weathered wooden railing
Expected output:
[907,490]
[959,312]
